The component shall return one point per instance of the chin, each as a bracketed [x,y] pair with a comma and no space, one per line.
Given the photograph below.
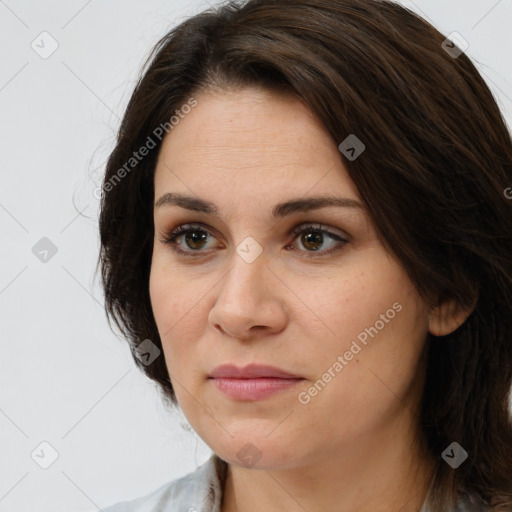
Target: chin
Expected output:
[257,452]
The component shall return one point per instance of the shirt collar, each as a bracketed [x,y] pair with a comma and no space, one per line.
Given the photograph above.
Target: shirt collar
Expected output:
[207,486]
[208,482]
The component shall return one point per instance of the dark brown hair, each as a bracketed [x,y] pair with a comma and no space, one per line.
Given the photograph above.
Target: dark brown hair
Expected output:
[433,176]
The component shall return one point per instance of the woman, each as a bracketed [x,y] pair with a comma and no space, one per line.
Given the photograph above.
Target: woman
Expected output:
[306,239]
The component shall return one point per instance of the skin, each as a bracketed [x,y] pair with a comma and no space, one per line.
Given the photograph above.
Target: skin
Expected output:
[353,446]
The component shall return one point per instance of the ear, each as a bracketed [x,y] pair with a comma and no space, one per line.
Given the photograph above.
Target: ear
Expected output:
[448,316]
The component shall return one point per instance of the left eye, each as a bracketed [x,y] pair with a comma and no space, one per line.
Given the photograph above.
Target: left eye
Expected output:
[312,238]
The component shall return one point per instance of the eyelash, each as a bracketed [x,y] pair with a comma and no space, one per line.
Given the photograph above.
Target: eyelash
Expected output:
[170,238]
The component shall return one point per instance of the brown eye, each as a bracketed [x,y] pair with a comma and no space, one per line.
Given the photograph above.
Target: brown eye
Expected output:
[195,239]
[191,239]
[313,237]
[312,240]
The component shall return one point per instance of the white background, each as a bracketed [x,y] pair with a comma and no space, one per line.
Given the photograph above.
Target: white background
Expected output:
[65,377]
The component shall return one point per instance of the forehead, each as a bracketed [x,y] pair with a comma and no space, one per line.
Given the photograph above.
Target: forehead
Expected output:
[254,142]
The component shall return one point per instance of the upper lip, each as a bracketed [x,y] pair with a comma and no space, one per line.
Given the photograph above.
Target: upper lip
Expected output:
[251,371]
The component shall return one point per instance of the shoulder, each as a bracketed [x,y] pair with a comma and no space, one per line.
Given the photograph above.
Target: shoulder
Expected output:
[199,491]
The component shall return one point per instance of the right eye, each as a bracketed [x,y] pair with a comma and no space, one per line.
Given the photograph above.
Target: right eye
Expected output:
[194,237]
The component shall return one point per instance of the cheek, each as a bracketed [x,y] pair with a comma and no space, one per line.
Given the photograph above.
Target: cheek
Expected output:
[173,295]
[380,355]
[167,303]
[179,308]
[163,299]
[355,295]
[372,312]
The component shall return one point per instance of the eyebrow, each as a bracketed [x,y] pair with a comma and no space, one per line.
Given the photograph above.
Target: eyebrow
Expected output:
[280,210]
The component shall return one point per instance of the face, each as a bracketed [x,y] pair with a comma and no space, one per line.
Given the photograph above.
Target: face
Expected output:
[311,291]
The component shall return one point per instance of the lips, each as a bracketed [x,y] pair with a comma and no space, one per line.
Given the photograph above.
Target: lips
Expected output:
[252,371]
[253,382]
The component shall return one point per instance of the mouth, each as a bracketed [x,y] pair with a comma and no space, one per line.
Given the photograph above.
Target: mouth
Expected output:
[253,382]
[252,371]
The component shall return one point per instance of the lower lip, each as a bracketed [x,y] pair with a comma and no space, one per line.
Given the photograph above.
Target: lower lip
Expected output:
[254,389]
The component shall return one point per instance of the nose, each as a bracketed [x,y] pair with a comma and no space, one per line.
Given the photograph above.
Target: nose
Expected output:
[250,300]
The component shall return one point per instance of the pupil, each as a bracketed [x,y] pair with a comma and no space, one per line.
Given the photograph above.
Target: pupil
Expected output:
[312,238]
[194,237]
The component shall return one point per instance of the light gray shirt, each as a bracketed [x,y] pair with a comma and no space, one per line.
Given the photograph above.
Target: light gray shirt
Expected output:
[201,491]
